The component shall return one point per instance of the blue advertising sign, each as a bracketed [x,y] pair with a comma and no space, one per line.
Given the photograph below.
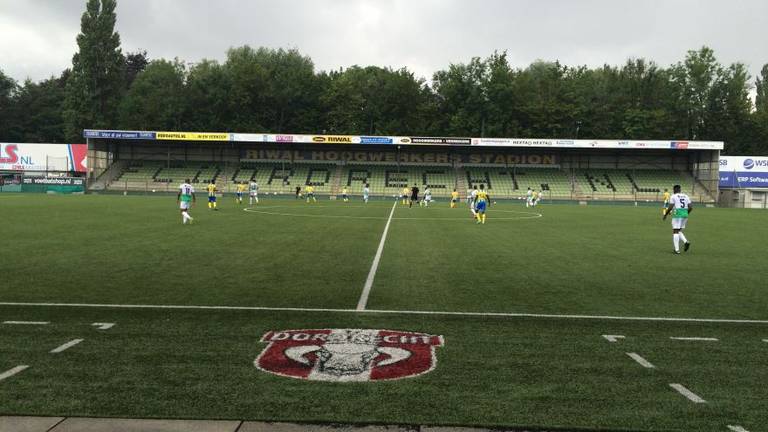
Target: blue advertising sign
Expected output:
[743,172]
[376,140]
[115,134]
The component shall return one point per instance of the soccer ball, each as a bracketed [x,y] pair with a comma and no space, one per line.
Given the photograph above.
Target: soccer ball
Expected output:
[153,191]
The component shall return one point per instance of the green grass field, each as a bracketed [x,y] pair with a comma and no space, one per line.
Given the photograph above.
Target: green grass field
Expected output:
[522,303]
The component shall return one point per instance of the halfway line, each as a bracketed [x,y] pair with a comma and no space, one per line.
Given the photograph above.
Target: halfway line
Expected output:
[391,312]
[375,266]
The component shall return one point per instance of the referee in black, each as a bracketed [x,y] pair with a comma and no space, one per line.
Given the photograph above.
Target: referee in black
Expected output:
[414,196]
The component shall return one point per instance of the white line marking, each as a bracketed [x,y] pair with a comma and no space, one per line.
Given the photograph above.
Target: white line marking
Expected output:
[737,428]
[707,339]
[26,322]
[613,338]
[103,326]
[643,362]
[693,397]
[375,266]
[390,312]
[65,346]
[11,372]
[765,340]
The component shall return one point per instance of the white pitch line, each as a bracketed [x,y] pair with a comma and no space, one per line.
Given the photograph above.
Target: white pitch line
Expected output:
[641,361]
[693,397]
[66,346]
[613,338]
[765,340]
[13,371]
[737,428]
[26,322]
[390,312]
[375,266]
[705,339]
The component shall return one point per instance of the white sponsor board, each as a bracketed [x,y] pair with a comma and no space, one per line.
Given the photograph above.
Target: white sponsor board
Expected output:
[43,157]
[744,163]
[613,144]
[319,139]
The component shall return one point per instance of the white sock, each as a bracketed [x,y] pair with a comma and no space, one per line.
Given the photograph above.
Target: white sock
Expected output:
[251,201]
[676,241]
[682,237]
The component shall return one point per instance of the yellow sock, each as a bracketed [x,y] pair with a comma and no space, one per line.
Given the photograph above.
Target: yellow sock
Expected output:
[209,204]
[483,217]
[214,204]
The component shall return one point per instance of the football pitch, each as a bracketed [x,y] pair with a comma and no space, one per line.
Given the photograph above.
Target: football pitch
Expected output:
[556,317]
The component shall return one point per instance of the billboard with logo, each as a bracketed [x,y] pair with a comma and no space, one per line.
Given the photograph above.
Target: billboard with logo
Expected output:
[43,157]
[743,172]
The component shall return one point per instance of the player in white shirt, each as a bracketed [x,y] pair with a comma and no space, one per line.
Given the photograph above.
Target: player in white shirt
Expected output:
[529,198]
[253,192]
[427,197]
[366,192]
[472,199]
[680,207]
[186,198]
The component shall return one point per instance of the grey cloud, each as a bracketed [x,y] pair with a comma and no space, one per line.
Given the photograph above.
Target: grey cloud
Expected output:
[423,35]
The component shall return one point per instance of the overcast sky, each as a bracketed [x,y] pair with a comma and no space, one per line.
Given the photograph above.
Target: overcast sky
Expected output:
[37,37]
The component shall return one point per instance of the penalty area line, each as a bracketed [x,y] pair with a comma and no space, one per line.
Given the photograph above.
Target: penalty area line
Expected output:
[390,312]
[375,265]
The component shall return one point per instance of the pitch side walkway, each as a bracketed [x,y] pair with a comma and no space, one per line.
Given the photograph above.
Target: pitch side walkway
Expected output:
[82,424]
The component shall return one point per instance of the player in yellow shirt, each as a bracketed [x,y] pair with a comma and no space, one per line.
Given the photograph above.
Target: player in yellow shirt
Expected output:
[344,194]
[212,195]
[667,195]
[310,191]
[454,198]
[404,195]
[482,200]
[239,193]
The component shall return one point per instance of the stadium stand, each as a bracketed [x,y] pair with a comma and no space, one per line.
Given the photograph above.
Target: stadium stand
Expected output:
[282,177]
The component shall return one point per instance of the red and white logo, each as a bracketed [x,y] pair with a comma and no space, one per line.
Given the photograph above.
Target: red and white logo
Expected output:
[348,354]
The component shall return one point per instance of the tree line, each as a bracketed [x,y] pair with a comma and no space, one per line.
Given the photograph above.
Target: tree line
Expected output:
[279,90]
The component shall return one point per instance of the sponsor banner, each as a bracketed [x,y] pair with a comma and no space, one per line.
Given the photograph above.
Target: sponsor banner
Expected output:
[113,134]
[43,157]
[193,136]
[53,181]
[402,157]
[348,355]
[608,144]
[740,180]
[376,140]
[441,141]
[743,172]
[744,163]
[334,139]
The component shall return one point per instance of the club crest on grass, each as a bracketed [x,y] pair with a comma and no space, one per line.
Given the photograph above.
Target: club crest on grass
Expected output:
[348,354]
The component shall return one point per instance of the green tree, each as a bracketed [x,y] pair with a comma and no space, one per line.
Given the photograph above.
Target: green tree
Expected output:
[135,62]
[155,101]
[96,83]
[37,111]
[462,100]
[376,100]
[206,98]
[8,89]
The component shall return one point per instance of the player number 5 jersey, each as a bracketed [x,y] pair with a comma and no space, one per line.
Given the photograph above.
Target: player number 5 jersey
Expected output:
[680,202]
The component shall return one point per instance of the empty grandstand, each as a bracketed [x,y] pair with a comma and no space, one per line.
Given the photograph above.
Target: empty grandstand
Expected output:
[571,170]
